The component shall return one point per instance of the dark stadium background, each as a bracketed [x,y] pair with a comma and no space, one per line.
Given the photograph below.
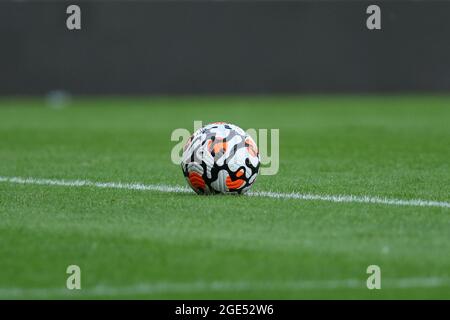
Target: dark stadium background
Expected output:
[207,47]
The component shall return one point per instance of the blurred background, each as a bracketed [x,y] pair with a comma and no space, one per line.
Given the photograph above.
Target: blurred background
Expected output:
[223,47]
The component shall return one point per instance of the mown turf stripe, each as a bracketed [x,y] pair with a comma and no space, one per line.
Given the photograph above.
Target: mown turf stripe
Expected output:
[218,286]
[267,194]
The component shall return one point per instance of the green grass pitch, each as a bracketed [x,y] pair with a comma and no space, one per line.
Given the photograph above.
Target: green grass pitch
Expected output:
[143,244]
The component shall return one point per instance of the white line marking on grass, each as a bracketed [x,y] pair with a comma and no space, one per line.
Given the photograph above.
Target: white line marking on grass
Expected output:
[218,286]
[352,198]
[87,183]
[266,194]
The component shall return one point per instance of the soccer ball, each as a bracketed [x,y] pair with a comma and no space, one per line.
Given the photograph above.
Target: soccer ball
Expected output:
[220,158]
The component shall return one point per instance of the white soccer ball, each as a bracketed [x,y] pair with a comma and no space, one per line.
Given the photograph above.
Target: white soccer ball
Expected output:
[220,158]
